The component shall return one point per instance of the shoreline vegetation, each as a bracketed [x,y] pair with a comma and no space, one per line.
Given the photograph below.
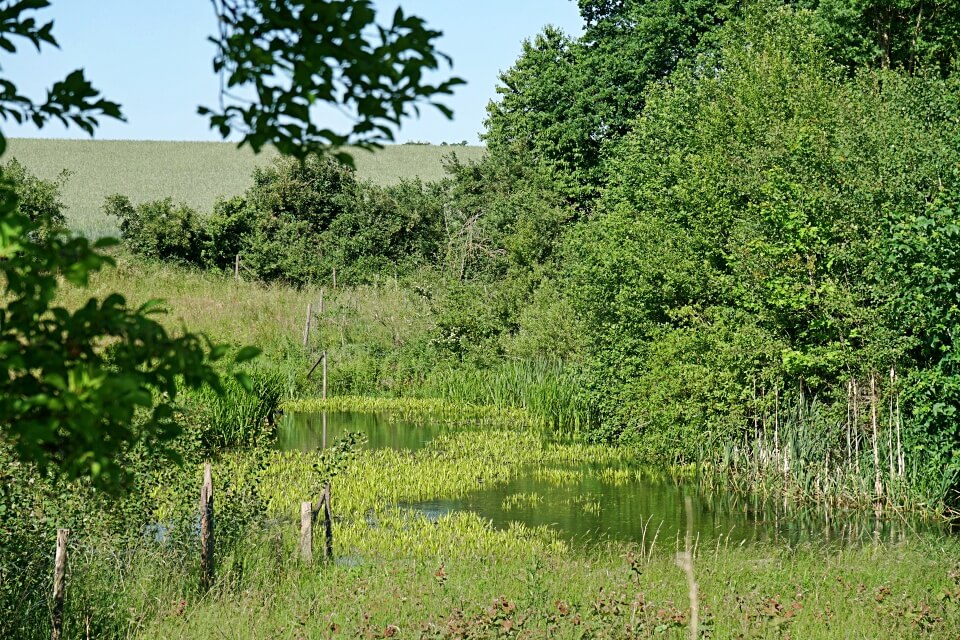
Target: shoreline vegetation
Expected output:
[396,572]
[782,457]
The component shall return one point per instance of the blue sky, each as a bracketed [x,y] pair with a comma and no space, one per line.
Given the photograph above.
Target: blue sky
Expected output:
[154,59]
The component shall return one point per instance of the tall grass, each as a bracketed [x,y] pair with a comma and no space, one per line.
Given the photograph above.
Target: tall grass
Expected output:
[456,577]
[197,173]
[549,391]
[240,417]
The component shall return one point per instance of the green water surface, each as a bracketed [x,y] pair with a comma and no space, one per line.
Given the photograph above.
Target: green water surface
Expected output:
[585,507]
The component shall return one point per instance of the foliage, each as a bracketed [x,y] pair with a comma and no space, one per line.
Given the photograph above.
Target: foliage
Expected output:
[297,223]
[920,273]
[745,231]
[565,100]
[72,100]
[69,401]
[299,54]
[158,229]
[39,200]
[903,34]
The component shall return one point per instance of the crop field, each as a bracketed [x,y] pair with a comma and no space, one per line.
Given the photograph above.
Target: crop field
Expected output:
[197,173]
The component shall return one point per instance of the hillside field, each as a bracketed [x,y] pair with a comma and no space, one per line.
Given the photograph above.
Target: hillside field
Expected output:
[197,173]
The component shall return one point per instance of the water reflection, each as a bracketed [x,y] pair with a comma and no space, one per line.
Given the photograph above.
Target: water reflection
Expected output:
[591,504]
[306,431]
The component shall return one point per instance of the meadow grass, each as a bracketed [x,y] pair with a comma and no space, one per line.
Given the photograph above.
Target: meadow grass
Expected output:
[456,577]
[197,173]
[360,325]
[270,316]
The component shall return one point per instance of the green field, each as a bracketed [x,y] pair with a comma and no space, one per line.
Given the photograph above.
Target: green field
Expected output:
[197,173]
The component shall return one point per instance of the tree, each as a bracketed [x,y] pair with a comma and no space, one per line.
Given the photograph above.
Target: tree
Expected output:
[564,101]
[296,54]
[743,231]
[900,34]
[73,382]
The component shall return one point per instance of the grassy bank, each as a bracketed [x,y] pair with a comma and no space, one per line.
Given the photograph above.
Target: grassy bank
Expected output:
[470,582]
[378,337]
[197,173]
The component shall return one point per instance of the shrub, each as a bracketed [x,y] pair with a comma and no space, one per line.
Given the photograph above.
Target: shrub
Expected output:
[158,229]
[39,200]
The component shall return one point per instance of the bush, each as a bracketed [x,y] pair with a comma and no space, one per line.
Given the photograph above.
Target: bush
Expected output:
[158,229]
[38,199]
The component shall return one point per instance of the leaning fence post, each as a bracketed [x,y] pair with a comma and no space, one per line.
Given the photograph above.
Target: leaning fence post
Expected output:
[306,532]
[206,529]
[59,582]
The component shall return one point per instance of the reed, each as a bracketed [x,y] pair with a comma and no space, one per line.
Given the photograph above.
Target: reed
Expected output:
[846,455]
[551,392]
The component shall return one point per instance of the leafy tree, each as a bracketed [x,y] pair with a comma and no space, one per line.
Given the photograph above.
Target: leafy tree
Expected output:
[744,226]
[898,34]
[73,382]
[564,100]
[921,275]
[297,54]
[159,229]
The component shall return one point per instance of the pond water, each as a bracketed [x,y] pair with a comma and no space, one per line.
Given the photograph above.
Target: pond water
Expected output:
[583,504]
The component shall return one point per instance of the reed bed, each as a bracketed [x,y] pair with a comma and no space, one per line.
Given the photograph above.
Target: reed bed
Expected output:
[839,454]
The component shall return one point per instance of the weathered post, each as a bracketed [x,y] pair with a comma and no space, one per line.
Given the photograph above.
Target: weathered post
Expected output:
[327,522]
[236,268]
[324,375]
[306,532]
[59,582]
[334,277]
[306,327]
[206,529]
[685,561]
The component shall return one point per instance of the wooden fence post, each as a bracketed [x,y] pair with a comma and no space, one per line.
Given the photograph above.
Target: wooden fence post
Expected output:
[306,327]
[206,529]
[59,582]
[324,375]
[306,532]
[236,268]
[334,277]
[327,522]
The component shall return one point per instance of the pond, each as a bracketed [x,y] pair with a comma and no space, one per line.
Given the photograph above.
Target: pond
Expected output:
[590,503]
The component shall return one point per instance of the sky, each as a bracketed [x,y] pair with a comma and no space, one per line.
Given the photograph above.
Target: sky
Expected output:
[155,60]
